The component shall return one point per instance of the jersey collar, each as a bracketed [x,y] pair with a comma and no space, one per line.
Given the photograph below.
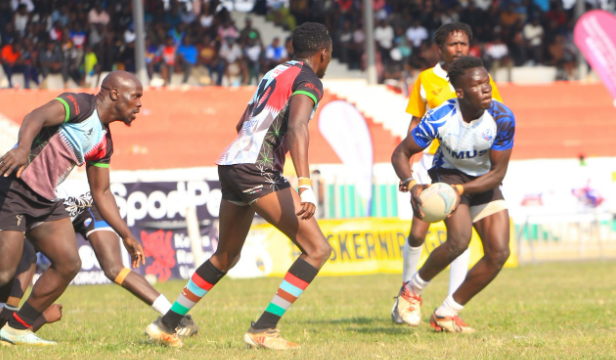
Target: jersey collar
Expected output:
[438,71]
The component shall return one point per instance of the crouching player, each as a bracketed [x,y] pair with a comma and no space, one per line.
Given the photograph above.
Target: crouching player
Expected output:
[476,140]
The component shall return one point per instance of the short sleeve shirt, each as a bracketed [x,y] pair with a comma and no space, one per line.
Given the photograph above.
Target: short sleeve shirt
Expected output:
[56,150]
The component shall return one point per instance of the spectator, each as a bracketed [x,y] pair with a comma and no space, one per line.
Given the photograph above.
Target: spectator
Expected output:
[90,62]
[357,48]
[497,55]
[187,15]
[8,35]
[416,34]
[227,30]
[563,58]
[186,57]
[14,62]
[29,4]
[274,54]
[72,61]
[167,54]
[252,56]
[248,32]
[231,53]
[533,33]
[177,33]
[98,15]
[288,46]
[55,33]
[51,60]
[210,61]
[152,58]
[20,19]
[206,19]
[61,15]
[384,36]
[345,41]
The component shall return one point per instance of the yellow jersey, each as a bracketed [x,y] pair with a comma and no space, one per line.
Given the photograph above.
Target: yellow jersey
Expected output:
[431,89]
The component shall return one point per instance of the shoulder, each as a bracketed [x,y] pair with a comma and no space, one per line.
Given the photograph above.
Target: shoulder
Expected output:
[500,112]
[442,111]
[425,75]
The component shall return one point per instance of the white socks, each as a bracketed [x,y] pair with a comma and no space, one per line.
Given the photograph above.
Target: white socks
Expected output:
[418,284]
[161,305]
[411,256]
[449,308]
[457,271]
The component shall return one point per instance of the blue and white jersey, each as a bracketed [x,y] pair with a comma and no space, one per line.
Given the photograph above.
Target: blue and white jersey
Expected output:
[466,146]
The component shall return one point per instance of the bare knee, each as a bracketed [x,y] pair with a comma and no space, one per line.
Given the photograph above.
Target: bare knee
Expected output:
[6,276]
[320,253]
[456,246]
[498,257]
[416,240]
[112,271]
[69,268]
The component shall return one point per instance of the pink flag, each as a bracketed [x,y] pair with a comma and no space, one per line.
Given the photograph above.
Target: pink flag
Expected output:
[595,36]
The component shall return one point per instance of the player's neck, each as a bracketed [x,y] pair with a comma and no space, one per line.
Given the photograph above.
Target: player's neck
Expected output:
[470,113]
[308,62]
[105,112]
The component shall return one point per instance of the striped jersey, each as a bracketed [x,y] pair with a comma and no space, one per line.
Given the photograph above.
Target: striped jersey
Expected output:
[261,138]
[466,146]
[56,150]
[431,89]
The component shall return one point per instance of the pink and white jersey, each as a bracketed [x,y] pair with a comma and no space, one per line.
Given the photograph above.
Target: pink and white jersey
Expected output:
[261,139]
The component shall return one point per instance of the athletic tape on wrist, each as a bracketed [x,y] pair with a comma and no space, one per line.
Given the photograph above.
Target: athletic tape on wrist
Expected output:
[121,276]
[460,188]
[308,196]
[304,181]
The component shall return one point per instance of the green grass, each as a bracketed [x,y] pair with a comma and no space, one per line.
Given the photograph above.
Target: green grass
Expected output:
[550,311]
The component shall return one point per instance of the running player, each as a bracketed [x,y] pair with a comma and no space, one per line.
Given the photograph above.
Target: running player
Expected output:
[70,130]
[275,121]
[88,222]
[476,140]
[431,90]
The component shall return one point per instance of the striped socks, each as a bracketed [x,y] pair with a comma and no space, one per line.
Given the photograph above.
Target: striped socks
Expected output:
[296,280]
[204,278]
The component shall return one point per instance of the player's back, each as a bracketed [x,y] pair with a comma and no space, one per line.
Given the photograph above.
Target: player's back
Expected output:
[260,139]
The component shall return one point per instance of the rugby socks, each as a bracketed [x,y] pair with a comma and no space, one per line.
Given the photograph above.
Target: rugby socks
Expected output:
[457,271]
[6,313]
[161,305]
[449,307]
[411,256]
[418,284]
[296,280]
[202,281]
[25,317]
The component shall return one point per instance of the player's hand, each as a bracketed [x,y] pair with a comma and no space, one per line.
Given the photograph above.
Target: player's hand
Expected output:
[135,249]
[308,208]
[15,159]
[416,201]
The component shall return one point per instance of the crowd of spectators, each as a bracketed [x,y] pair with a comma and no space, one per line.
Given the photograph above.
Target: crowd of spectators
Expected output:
[80,39]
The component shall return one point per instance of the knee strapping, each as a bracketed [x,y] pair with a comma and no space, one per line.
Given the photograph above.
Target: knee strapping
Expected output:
[121,276]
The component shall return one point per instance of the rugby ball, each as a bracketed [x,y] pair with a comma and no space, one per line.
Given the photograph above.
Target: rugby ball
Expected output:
[437,202]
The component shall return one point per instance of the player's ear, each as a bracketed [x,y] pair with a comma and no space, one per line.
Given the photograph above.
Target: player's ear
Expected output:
[114,94]
[460,93]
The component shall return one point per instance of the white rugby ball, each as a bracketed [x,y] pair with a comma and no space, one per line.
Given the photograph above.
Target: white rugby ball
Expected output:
[437,202]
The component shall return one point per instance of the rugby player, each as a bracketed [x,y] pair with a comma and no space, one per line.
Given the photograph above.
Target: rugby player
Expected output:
[88,222]
[476,139]
[431,90]
[70,130]
[250,171]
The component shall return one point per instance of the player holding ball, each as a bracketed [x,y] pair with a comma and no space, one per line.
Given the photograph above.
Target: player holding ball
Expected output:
[476,140]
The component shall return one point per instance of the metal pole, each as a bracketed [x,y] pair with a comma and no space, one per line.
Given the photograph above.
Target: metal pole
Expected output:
[370,49]
[581,62]
[142,74]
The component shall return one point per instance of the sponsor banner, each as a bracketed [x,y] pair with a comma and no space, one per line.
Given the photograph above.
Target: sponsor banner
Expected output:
[360,246]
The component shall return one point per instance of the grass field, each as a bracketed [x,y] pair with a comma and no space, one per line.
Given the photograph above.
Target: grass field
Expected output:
[549,311]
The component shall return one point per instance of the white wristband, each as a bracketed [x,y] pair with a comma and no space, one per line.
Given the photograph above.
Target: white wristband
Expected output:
[308,196]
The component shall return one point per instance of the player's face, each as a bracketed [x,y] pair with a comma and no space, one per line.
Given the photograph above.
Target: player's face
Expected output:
[326,57]
[130,104]
[455,47]
[476,88]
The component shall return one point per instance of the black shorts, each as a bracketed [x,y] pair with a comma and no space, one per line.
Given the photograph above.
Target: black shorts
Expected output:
[21,209]
[243,184]
[89,221]
[480,205]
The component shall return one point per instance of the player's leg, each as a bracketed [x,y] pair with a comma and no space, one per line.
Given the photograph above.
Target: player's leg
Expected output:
[279,209]
[11,248]
[55,239]
[234,224]
[11,294]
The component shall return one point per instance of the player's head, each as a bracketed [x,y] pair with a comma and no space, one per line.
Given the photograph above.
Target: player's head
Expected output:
[124,91]
[312,41]
[453,41]
[471,81]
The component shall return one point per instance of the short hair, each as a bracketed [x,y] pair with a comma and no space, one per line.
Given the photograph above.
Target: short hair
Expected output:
[443,32]
[309,38]
[459,67]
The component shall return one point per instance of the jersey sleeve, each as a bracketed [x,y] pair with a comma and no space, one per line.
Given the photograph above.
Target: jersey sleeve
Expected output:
[77,107]
[101,156]
[495,93]
[505,127]
[307,83]
[416,105]
[426,131]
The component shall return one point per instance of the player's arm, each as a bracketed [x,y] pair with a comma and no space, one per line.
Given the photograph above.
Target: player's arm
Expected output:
[50,114]
[298,138]
[401,156]
[414,122]
[98,178]
[499,162]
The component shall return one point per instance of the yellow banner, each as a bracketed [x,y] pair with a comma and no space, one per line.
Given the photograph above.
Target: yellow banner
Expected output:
[360,246]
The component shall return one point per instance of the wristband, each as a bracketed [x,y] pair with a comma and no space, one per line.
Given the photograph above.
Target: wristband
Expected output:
[304,181]
[460,188]
[308,196]
[407,184]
